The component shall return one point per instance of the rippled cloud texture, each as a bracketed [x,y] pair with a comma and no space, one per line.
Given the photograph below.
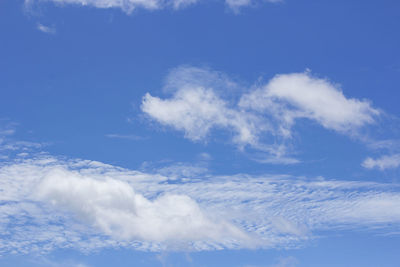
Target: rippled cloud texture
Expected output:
[49,203]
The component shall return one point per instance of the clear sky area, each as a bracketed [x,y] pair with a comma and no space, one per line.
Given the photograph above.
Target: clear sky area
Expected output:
[240,133]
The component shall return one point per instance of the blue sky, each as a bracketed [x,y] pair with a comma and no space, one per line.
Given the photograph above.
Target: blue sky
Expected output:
[199,133]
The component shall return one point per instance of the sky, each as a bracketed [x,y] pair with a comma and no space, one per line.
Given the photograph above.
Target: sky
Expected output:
[245,133]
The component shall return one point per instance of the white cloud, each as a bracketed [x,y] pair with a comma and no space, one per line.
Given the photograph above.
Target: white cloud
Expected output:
[48,203]
[126,5]
[282,262]
[46,29]
[9,146]
[183,170]
[382,163]
[113,207]
[196,108]
[203,100]
[387,144]
[299,95]
[129,5]
[286,262]
[43,261]
[236,5]
[5,132]
[196,111]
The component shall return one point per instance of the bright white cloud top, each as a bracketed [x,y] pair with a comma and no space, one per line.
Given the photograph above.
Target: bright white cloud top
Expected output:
[300,95]
[49,203]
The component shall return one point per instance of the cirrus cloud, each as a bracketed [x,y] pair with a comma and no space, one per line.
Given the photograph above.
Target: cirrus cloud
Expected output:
[129,5]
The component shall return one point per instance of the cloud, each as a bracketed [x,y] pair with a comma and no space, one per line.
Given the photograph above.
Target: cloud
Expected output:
[43,261]
[203,101]
[299,95]
[236,5]
[126,137]
[282,262]
[286,262]
[196,107]
[197,110]
[129,5]
[382,163]
[46,29]
[48,203]
[9,146]
[116,210]
[387,144]
[183,170]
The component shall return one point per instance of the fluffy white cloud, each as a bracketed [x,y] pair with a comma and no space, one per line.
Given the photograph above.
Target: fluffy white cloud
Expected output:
[299,95]
[197,110]
[196,107]
[382,163]
[203,100]
[113,207]
[48,203]
[108,204]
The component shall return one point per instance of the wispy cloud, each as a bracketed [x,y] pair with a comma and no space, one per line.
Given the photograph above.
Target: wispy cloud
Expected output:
[126,137]
[9,146]
[42,260]
[237,5]
[282,262]
[46,29]
[48,203]
[382,163]
[129,6]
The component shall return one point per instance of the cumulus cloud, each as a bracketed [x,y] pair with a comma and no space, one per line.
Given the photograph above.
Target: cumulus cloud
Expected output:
[113,207]
[49,203]
[300,95]
[197,110]
[129,5]
[196,106]
[203,100]
[382,163]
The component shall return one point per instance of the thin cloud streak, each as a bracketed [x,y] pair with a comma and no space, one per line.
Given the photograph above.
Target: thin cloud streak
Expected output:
[126,137]
[129,6]
[46,29]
